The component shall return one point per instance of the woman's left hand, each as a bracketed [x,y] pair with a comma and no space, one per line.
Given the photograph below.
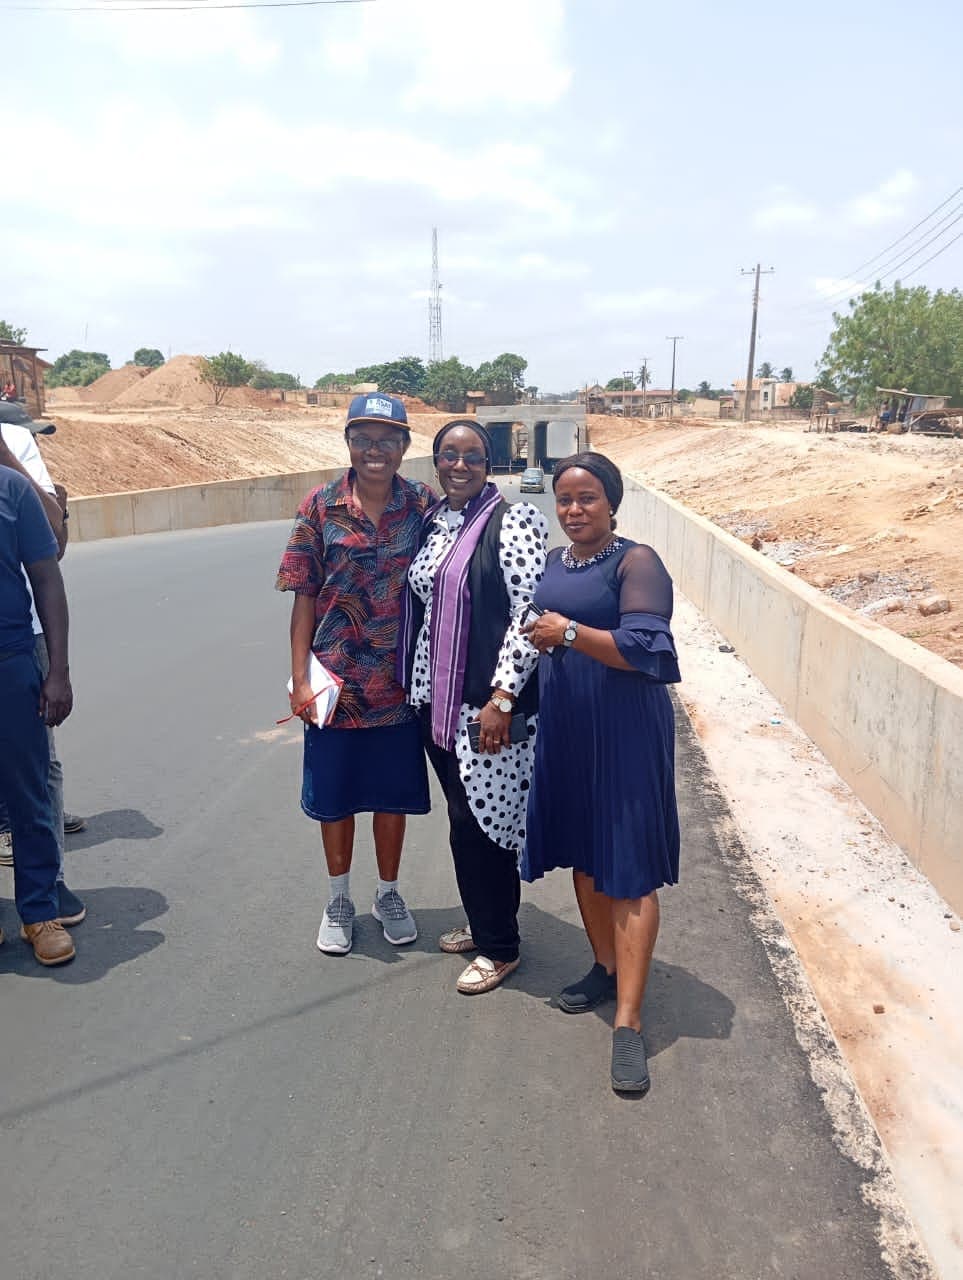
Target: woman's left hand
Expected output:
[546,631]
[495,730]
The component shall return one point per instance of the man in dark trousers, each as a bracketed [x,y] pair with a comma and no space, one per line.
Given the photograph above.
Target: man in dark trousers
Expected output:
[30,704]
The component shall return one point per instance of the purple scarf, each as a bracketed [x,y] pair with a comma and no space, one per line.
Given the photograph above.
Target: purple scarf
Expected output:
[450,616]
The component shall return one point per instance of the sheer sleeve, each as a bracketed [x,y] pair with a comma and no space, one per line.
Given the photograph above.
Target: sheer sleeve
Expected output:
[643,636]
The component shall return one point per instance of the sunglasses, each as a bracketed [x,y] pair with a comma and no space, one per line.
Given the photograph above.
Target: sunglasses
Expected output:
[450,458]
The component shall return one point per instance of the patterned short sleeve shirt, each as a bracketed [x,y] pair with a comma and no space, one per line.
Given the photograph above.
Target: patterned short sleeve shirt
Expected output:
[356,574]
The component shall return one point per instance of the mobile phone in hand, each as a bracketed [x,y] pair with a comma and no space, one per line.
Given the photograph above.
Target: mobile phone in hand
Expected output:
[517,731]
[532,611]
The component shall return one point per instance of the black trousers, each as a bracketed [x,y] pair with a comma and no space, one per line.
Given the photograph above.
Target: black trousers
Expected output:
[487,874]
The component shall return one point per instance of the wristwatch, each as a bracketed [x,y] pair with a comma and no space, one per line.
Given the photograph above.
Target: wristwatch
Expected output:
[569,634]
[501,704]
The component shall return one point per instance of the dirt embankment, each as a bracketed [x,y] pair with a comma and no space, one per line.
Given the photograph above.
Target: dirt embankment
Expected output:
[144,429]
[875,521]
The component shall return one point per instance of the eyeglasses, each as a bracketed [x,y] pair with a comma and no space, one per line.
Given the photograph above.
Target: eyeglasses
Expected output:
[389,444]
[473,459]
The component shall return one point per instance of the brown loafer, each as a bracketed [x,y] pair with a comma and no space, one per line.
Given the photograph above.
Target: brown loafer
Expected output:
[455,941]
[484,975]
[51,942]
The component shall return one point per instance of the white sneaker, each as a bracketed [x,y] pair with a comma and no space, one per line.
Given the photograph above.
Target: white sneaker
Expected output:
[394,917]
[337,925]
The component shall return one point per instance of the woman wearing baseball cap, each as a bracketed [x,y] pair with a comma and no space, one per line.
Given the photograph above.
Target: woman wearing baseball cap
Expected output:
[346,561]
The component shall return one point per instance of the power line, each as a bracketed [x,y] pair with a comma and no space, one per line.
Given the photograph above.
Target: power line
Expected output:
[909,257]
[905,234]
[958,236]
[838,295]
[169,8]
[920,246]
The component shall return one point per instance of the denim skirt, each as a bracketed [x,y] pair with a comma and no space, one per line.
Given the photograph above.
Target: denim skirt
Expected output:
[349,771]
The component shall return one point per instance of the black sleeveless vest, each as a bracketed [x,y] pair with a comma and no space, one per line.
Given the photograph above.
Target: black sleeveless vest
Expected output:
[490,615]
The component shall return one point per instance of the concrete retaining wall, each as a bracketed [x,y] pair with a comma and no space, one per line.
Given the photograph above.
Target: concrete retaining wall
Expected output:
[887,713]
[198,506]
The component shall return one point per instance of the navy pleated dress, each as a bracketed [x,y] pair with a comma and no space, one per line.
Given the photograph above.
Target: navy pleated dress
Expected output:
[603,787]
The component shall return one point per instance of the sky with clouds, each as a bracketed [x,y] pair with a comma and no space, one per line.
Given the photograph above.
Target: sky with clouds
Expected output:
[599,172]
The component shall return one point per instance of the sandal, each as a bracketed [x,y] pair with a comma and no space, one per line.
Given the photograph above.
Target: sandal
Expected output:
[455,941]
[484,975]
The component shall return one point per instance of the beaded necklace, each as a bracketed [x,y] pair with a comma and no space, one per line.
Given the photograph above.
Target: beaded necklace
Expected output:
[570,562]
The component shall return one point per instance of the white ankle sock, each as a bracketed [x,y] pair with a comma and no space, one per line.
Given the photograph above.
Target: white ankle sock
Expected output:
[339,884]
[385,886]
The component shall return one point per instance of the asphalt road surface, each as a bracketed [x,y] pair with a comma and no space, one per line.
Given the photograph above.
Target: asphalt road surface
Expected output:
[202,1093]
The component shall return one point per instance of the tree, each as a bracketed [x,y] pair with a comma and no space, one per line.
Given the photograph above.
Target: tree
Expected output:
[77,369]
[265,379]
[225,370]
[785,375]
[502,378]
[898,337]
[11,333]
[620,384]
[802,397]
[644,377]
[335,381]
[764,370]
[704,391]
[148,357]
[402,377]
[446,382]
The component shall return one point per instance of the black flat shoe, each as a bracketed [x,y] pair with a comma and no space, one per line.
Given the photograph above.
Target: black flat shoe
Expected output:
[596,987]
[630,1069]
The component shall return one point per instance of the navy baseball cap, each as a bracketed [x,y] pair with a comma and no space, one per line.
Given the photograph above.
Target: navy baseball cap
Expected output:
[375,407]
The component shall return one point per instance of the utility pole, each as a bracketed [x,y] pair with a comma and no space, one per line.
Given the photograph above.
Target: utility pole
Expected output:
[645,377]
[673,338]
[752,336]
[626,382]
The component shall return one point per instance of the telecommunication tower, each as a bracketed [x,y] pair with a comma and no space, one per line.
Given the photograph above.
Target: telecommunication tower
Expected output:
[434,305]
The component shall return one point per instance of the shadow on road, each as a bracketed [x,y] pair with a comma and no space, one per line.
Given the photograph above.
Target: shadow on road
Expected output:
[113,824]
[555,952]
[111,935]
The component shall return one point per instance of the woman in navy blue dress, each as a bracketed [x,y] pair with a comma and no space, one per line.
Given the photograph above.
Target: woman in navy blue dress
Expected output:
[603,789]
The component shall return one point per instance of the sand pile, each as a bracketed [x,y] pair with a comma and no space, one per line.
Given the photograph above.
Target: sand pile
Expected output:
[176,382]
[179,382]
[109,385]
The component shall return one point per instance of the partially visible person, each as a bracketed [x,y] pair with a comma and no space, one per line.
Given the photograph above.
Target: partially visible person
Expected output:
[19,452]
[32,704]
[603,790]
[465,664]
[346,562]
[9,390]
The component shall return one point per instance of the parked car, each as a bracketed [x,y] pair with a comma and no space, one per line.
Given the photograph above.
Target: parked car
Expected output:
[533,480]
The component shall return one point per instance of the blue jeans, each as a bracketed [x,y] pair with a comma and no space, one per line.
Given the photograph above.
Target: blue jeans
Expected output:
[55,775]
[24,766]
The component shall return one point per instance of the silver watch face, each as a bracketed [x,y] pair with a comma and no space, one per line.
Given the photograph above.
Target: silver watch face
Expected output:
[503,704]
[570,632]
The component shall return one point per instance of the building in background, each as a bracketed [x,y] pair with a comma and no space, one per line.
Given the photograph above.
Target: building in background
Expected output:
[24,368]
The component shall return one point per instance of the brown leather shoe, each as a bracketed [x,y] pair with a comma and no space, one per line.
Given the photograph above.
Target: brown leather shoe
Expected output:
[51,942]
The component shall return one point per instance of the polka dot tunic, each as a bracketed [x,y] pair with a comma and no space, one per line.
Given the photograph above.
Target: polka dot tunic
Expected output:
[496,785]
